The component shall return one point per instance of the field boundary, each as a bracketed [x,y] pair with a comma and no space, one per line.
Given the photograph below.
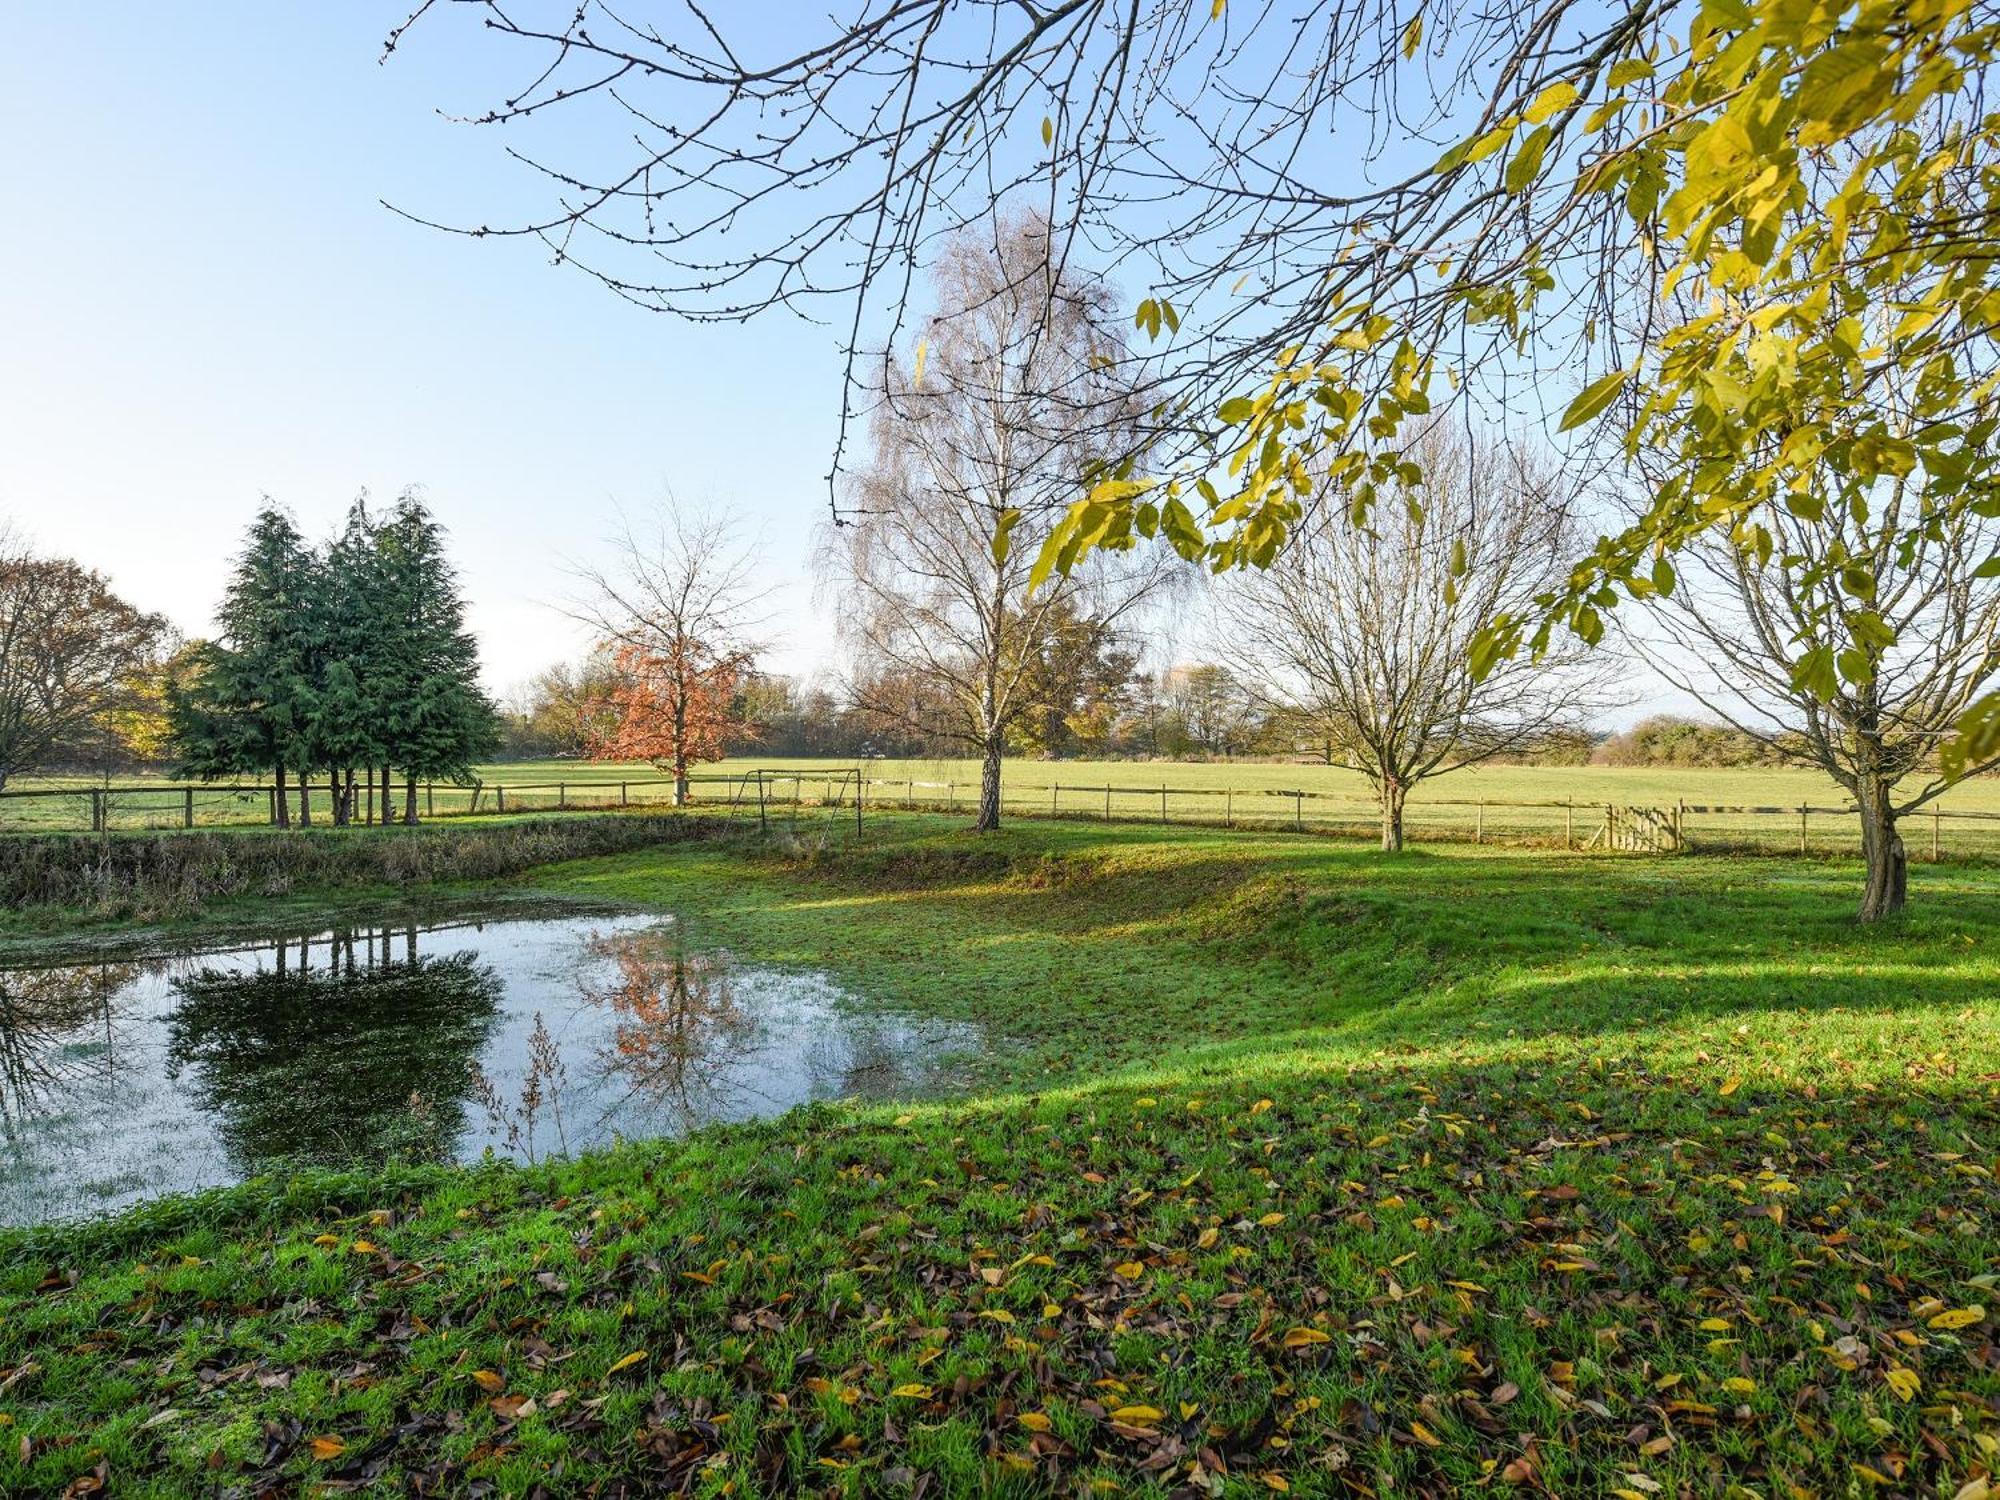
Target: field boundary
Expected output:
[1804,829]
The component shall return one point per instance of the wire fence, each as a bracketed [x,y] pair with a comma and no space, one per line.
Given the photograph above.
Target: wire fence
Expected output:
[1937,832]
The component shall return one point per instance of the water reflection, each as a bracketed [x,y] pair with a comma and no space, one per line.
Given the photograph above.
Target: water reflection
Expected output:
[676,1030]
[368,1056]
[435,1040]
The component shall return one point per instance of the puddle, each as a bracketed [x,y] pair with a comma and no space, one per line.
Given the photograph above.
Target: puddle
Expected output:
[125,1078]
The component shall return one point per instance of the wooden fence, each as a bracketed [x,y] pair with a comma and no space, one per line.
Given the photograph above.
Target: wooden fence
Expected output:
[839,794]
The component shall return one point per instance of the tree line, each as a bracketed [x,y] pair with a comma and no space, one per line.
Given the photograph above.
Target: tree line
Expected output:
[344,663]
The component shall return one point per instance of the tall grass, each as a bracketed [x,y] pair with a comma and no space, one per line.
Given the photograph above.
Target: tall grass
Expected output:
[152,876]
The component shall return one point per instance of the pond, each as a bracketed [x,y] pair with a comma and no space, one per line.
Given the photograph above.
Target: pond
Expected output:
[128,1077]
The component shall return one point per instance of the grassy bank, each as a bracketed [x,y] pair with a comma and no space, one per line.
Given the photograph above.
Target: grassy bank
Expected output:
[1306,1171]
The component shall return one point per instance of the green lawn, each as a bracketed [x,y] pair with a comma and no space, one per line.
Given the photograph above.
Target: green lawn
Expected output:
[1303,1170]
[1541,804]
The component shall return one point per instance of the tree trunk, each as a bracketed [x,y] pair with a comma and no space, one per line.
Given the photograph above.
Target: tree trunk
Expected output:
[989,788]
[281,809]
[305,800]
[410,799]
[1393,793]
[680,783]
[388,808]
[1882,846]
[343,798]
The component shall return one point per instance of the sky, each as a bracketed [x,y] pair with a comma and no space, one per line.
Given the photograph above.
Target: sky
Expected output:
[204,302]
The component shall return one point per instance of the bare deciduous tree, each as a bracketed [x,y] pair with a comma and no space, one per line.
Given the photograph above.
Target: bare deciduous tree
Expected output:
[978,444]
[71,652]
[677,605]
[1852,644]
[1365,633]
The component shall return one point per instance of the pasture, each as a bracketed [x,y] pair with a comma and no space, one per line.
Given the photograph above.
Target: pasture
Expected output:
[1536,804]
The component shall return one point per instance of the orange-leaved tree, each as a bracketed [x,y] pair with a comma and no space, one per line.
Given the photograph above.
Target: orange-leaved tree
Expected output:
[671,706]
[675,609]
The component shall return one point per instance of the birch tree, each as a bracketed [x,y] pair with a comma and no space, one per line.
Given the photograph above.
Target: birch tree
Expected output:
[977,441]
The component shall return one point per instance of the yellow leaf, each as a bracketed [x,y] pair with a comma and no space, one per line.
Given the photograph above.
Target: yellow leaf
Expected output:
[324,1448]
[1271,1220]
[1903,1382]
[635,1357]
[913,1392]
[1034,1421]
[1958,1317]
[1299,1338]
[1260,1106]
[363,1247]
[1048,130]
[1208,1238]
[1736,1385]
[1557,96]
[1730,1085]
[1131,1270]
[1714,1325]
[1425,1436]
[488,1381]
[998,1315]
[1138,1416]
[1276,1482]
[1215,11]
[1413,35]
[326,1241]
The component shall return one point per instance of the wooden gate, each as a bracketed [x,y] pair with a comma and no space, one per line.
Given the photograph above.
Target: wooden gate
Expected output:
[1643,830]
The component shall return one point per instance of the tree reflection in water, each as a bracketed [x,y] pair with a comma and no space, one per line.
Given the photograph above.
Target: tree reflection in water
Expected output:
[349,1054]
[59,1030]
[679,1037]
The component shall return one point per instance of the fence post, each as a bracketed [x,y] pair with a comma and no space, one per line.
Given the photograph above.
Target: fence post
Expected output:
[1228,808]
[624,794]
[96,811]
[1937,832]
[1163,802]
[1107,802]
[430,799]
[858,785]
[1569,823]
[562,796]
[1479,823]
[187,808]
[763,821]
[1298,812]
[500,797]
[951,797]
[1802,828]
[1053,791]
[274,807]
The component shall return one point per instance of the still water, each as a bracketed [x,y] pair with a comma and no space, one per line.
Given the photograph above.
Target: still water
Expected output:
[126,1078]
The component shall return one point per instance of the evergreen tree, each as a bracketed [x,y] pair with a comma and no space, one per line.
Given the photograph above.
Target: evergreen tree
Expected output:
[355,708]
[248,706]
[439,722]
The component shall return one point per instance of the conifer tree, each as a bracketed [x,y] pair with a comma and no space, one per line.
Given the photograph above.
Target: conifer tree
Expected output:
[248,706]
[441,722]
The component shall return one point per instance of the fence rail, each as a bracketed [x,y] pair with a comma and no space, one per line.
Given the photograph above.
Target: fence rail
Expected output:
[1935,832]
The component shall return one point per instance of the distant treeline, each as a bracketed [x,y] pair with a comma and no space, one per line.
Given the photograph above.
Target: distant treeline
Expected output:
[1204,711]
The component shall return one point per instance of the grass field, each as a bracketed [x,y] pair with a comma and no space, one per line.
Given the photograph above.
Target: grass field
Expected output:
[1543,804]
[1307,1171]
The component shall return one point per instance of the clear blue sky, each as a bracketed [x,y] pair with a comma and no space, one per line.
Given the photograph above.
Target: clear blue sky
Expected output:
[202,301]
